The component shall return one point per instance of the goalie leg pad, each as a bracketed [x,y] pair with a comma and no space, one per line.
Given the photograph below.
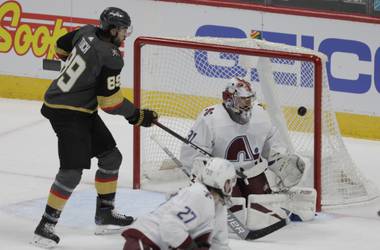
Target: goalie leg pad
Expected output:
[239,209]
[265,209]
[302,203]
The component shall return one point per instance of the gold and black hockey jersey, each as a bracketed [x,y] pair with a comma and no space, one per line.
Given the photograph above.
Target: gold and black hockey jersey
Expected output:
[90,76]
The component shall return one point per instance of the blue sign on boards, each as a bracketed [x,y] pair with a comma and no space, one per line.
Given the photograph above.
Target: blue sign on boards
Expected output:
[218,71]
[328,46]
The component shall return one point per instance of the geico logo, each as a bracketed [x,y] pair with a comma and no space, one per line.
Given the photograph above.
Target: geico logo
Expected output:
[23,36]
[350,66]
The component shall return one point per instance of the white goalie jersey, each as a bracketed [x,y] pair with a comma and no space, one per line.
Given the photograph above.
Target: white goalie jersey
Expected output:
[247,146]
[191,212]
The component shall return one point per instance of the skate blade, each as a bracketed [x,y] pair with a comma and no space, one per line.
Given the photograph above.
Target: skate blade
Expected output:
[43,242]
[108,229]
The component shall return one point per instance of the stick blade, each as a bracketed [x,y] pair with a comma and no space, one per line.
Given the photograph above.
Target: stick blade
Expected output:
[256,234]
[49,64]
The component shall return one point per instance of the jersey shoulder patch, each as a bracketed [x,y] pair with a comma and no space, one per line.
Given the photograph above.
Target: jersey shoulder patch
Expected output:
[209,111]
[109,55]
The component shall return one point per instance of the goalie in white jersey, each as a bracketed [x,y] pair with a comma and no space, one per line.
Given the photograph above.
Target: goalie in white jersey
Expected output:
[241,131]
[193,219]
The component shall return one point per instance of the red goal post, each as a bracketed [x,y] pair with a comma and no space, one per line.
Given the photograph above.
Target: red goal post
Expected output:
[163,68]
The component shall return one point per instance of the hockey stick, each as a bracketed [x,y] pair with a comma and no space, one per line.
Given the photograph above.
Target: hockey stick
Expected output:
[239,228]
[168,130]
[50,64]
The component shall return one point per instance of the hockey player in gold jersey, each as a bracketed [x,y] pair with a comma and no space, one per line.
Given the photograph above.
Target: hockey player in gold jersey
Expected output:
[89,78]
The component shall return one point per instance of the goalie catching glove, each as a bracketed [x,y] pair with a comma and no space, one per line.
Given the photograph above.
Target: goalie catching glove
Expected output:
[142,117]
[288,168]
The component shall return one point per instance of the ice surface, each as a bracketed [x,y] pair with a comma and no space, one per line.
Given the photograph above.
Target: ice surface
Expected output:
[29,161]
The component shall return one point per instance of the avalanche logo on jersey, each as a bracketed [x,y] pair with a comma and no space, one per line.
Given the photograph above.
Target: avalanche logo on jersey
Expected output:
[239,150]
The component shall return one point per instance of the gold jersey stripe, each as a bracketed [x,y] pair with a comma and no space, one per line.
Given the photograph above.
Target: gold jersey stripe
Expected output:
[108,102]
[61,51]
[61,106]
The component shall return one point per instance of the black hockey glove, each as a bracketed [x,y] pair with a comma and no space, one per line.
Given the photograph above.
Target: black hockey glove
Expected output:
[143,117]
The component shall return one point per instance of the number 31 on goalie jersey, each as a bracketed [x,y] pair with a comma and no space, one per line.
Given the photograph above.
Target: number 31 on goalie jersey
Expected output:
[191,135]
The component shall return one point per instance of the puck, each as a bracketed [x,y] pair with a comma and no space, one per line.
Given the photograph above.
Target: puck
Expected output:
[301,111]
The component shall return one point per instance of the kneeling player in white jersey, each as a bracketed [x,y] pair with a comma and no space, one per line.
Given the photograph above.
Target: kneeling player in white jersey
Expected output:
[195,218]
[241,131]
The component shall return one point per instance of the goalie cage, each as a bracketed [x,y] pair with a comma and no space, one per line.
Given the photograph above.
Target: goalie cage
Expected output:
[179,77]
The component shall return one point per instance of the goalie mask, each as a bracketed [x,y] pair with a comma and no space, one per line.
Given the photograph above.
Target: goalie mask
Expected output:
[115,18]
[238,98]
[217,173]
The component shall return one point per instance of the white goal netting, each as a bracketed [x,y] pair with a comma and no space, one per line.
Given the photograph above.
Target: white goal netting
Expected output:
[179,79]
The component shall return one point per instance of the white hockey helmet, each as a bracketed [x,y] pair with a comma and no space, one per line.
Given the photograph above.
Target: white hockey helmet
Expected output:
[238,97]
[217,173]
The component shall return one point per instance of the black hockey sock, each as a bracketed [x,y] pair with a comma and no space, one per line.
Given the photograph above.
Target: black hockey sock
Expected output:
[51,215]
[105,201]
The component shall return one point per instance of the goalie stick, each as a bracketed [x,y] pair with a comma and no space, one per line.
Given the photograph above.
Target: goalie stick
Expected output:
[239,228]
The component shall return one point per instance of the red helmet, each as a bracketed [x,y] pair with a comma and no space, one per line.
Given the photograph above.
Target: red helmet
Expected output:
[239,97]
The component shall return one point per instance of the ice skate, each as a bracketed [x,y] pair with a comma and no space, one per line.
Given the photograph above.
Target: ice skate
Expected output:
[44,235]
[108,221]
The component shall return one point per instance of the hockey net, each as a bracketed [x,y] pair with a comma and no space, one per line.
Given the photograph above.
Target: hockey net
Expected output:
[180,77]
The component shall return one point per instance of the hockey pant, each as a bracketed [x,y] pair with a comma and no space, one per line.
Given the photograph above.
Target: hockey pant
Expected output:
[136,240]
